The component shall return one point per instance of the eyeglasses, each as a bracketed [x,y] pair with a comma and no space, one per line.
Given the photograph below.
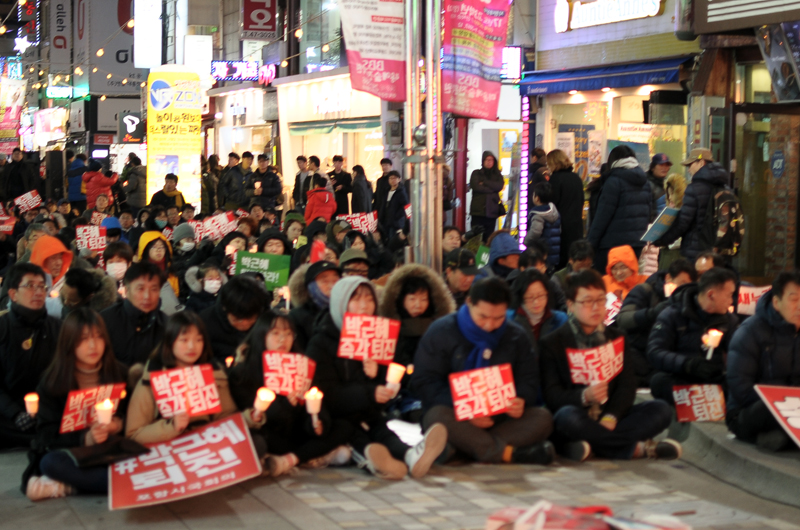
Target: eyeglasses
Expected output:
[39,287]
[599,302]
[356,272]
[534,299]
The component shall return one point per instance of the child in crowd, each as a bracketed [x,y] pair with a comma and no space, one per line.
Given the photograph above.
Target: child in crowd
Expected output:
[544,222]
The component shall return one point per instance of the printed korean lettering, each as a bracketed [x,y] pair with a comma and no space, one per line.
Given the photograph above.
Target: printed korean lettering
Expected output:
[368,337]
[362,222]
[482,392]
[79,412]
[287,373]
[91,237]
[29,201]
[596,365]
[191,389]
[699,402]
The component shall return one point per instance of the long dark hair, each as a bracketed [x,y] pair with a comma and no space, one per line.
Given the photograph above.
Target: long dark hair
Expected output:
[176,325]
[59,378]
[256,343]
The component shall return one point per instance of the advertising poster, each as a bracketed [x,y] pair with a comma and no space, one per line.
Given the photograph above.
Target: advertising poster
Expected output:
[474,36]
[174,143]
[597,150]
[565,141]
[580,158]
[373,30]
[12,96]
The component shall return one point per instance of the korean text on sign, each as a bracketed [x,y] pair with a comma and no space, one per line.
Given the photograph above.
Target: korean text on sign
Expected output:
[29,201]
[784,404]
[91,237]
[596,365]
[212,457]
[286,373]
[219,226]
[79,412]
[368,337]
[191,389]
[362,222]
[97,218]
[273,268]
[749,297]
[613,307]
[699,402]
[482,392]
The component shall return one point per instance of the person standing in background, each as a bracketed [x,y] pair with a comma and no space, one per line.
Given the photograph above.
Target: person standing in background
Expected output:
[302,183]
[382,186]
[568,199]
[342,184]
[362,191]
[486,184]
[76,167]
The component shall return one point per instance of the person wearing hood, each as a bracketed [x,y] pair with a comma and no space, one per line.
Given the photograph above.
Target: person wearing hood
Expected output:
[97,183]
[624,209]
[233,242]
[544,223]
[678,344]
[28,339]
[204,283]
[113,230]
[186,254]
[154,248]
[320,203]
[503,256]
[169,195]
[310,287]
[54,258]
[656,175]
[486,184]
[765,350]
[273,241]
[90,288]
[76,167]
[643,305]
[622,272]
[689,225]
[354,391]
[531,307]
[361,201]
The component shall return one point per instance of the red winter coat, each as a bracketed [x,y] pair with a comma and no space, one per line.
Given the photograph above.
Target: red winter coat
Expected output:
[98,184]
[321,203]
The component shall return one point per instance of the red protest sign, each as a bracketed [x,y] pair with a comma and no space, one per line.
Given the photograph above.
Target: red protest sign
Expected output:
[613,306]
[191,388]
[749,297]
[97,218]
[407,208]
[784,403]
[91,237]
[368,337]
[167,233]
[596,365]
[699,402]
[79,412]
[219,226]
[482,392]
[198,230]
[361,222]
[286,373]
[209,458]
[29,201]
[241,212]
[7,224]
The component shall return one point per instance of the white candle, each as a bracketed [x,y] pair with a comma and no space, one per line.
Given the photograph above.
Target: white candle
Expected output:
[104,410]
[313,401]
[264,398]
[32,403]
[393,377]
[669,288]
[229,361]
[258,185]
[712,339]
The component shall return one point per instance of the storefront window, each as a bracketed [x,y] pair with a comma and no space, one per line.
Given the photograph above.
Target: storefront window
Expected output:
[321,26]
[575,124]
[244,138]
[364,148]
[753,84]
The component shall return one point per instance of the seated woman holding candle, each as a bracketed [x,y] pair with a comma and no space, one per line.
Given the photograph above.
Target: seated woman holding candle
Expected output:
[531,305]
[83,360]
[354,390]
[185,344]
[291,435]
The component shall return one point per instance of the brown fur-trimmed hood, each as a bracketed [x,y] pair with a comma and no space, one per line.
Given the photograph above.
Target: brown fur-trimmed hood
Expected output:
[297,286]
[441,298]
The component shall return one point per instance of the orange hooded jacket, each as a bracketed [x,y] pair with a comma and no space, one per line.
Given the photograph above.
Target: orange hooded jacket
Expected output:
[46,247]
[626,255]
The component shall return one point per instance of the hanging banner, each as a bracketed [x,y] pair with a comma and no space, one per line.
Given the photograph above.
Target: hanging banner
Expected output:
[373,31]
[12,96]
[474,37]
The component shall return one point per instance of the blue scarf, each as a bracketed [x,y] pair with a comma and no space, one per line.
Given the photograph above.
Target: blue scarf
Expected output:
[481,340]
[319,299]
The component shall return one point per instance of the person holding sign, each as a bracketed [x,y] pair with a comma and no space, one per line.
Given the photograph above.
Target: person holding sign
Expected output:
[289,435]
[479,336]
[589,384]
[185,344]
[765,350]
[83,360]
[354,391]
[679,347]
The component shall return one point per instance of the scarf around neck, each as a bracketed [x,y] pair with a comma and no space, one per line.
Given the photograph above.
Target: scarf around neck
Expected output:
[481,340]
[596,338]
[317,296]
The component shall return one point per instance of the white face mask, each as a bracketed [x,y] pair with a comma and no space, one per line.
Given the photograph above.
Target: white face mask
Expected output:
[212,286]
[116,270]
[187,246]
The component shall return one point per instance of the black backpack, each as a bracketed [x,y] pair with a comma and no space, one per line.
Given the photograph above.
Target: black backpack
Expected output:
[723,226]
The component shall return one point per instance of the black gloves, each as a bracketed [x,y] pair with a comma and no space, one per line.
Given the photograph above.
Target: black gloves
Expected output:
[702,369]
[24,422]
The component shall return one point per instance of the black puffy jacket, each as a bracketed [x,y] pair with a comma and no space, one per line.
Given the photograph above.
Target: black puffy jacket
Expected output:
[764,350]
[691,218]
[623,210]
[134,335]
[641,309]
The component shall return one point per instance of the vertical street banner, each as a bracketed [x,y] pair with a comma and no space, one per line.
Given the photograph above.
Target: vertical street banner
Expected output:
[474,37]
[784,404]
[260,20]
[699,402]
[373,31]
[79,412]
[482,392]
[12,96]
[368,337]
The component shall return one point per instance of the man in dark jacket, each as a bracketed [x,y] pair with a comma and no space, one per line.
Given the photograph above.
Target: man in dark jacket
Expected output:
[18,177]
[264,186]
[169,196]
[28,339]
[479,336]
[765,350]
[382,186]
[568,199]
[459,273]
[76,167]
[641,309]
[392,219]
[678,344]
[342,185]
[600,416]
[136,324]
[233,184]
[302,183]
[311,293]
[706,176]
[659,169]
[486,184]
[581,257]
[504,255]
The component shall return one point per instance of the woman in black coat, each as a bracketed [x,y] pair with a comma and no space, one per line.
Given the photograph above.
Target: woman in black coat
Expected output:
[361,201]
[568,198]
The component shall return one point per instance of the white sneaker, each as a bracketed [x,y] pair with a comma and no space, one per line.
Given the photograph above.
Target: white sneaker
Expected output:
[40,488]
[420,458]
[338,457]
[381,463]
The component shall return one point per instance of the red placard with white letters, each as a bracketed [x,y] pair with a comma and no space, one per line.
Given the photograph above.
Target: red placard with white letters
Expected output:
[198,230]
[482,392]
[361,222]
[699,402]
[167,233]
[191,389]
[91,237]
[407,208]
[97,218]
[286,373]
[784,403]
[749,297]
[596,365]
[79,412]
[368,337]
[29,201]
[7,224]
[206,459]
[219,226]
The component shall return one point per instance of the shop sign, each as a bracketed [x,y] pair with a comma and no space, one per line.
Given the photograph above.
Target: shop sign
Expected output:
[576,14]
[60,35]
[715,16]
[512,63]
[59,92]
[131,128]
[234,70]
[147,34]
[103,139]
[778,164]
[266,74]
[330,102]
[259,20]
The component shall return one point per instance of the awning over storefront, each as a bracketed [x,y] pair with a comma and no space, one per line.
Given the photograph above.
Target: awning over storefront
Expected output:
[328,126]
[613,76]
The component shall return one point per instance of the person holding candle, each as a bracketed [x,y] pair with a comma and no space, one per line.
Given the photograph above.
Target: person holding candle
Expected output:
[289,434]
[27,344]
[83,360]
[680,342]
[185,344]
[355,391]
[599,418]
